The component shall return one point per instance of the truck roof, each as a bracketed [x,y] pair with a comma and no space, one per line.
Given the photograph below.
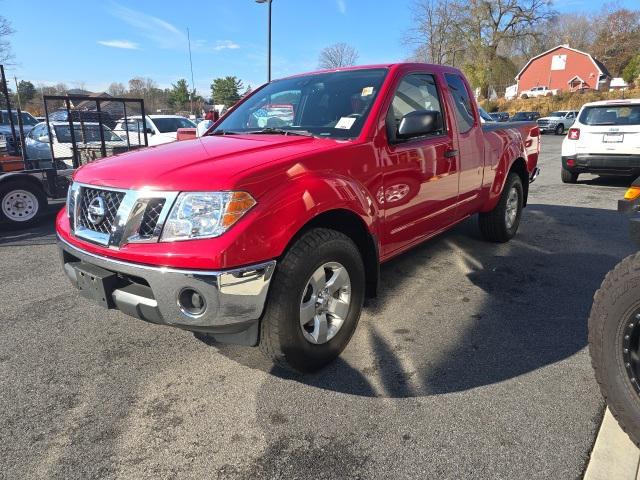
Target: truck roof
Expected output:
[417,65]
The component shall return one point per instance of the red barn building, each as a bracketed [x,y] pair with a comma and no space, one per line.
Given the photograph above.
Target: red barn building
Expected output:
[565,69]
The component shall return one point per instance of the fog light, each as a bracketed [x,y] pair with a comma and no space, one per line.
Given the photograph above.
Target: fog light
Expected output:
[191,302]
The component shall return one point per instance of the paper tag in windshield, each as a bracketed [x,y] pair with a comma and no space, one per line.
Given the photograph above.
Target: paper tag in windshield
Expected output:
[366,91]
[345,123]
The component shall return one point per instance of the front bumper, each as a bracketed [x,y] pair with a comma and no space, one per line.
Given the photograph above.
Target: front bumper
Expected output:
[233,299]
[602,164]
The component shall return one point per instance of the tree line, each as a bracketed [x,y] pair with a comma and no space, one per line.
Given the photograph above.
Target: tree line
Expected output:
[491,40]
[178,98]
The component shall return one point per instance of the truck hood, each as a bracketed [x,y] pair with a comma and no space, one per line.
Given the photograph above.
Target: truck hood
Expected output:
[551,119]
[207,163]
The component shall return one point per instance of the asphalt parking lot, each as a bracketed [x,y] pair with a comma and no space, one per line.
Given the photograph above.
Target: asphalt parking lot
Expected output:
[472,363]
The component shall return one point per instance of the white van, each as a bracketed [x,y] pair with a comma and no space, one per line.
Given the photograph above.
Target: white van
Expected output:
[604,140]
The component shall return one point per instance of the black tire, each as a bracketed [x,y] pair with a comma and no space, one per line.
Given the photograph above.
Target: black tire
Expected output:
[38,200]
[559,130]
[493,224]
[615,308]
[568,176]
[281,336]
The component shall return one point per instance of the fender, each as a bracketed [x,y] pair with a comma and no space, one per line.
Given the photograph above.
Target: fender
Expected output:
[513,151]
[284,211]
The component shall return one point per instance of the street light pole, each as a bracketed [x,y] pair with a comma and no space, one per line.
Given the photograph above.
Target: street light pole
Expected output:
[268,39]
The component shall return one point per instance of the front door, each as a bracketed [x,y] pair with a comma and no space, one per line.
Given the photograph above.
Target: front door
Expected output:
[420,175]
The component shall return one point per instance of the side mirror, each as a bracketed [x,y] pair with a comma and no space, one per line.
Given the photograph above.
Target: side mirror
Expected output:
[43,138]
[202,127]
[149,131]
[419,123]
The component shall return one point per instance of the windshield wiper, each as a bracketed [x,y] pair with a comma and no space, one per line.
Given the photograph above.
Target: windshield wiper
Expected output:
[282,131]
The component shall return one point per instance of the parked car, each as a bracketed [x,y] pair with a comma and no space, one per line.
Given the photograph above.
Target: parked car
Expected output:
[500,116]
[83,116]
[484,116]
[13,147]
[539,92]
[603,140]
[557,122]
[160,128]
[87,136]
[525,117]
[272,233]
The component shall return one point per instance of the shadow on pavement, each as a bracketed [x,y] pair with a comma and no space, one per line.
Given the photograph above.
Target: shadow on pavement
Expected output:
[536,293]
[43,233]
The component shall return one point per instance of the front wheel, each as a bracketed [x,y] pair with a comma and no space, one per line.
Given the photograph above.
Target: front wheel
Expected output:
[315,301]
[560,130]
[21,203]
[614,343]
[501,223]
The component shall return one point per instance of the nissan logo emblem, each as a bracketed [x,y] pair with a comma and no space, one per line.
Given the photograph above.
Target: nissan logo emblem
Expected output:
[96,210]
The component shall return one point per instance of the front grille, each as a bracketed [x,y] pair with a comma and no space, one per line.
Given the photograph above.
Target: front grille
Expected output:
[112,201]
[150,217]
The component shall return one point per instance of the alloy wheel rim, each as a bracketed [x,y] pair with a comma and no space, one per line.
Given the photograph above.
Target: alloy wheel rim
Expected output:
[20,205]
[325,303]
[512,207]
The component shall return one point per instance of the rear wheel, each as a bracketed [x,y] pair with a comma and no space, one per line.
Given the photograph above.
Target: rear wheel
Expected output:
[315,301]
[560,129]
[501,223]
[568,176]
[21,203]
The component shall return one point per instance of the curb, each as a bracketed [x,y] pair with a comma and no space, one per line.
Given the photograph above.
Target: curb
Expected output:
[613,454]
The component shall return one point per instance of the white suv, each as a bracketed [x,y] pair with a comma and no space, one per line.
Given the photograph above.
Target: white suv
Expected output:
[604,140]
[160,128]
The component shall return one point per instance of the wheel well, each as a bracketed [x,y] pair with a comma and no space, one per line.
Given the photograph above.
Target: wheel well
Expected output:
[10,178]
[520,167]
[351,225]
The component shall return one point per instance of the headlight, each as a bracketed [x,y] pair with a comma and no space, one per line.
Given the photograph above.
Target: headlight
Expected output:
[71,199]
[205,214]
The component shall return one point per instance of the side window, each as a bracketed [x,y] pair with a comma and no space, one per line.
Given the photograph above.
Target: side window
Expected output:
[415,92]
[461,102]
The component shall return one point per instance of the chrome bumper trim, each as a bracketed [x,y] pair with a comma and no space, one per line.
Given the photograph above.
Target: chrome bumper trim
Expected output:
[233,297]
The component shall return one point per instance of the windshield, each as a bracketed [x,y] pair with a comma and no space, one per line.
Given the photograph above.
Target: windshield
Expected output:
[169,124]
[557,114]
[333,105]
[84,134]
[611,115]
[27,118]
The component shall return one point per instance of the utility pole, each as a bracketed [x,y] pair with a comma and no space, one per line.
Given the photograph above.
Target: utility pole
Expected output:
[268,38]
[193,85]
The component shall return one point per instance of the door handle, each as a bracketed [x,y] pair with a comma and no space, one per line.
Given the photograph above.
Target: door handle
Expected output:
[451,153]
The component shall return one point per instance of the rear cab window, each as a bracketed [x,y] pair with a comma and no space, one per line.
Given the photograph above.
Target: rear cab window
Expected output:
[462,105]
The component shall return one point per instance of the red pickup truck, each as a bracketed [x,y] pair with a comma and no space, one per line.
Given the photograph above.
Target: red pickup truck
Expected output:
[270,228]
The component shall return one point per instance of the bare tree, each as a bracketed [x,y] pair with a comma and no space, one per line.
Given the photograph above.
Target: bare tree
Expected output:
[5,46]
[435,32]
[338,55]
[618,39]
[116,89]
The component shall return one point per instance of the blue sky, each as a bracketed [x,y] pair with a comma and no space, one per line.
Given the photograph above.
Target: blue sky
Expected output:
[94,43]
